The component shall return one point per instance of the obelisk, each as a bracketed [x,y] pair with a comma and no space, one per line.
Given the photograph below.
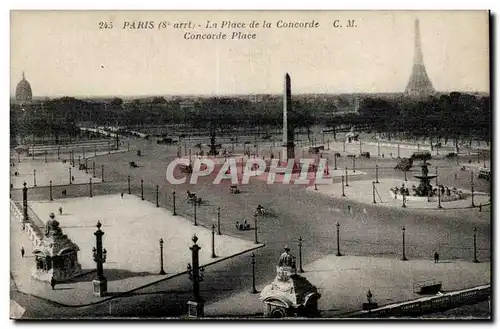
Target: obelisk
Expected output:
[288,131]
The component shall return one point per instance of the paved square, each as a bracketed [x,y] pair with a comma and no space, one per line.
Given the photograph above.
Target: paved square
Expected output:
[132,230]
[57,172]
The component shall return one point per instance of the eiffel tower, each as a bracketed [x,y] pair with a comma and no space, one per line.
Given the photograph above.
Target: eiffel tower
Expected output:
[419,83]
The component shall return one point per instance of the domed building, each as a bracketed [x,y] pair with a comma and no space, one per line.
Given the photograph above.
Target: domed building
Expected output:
[23,91]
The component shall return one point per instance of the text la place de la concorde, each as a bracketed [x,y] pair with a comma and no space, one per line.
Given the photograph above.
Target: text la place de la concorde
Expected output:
[241,35]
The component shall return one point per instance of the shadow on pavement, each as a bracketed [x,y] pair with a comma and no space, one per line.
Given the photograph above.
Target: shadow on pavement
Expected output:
[110,274]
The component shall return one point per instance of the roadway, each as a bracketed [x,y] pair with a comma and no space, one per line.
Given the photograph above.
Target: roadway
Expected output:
[291,212]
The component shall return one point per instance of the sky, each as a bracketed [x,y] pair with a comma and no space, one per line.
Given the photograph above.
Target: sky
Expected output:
[65,53]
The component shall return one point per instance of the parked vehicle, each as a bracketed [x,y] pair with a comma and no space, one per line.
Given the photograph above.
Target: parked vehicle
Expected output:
[485,173]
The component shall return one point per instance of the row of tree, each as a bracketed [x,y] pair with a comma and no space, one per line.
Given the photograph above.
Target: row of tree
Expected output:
[455,115]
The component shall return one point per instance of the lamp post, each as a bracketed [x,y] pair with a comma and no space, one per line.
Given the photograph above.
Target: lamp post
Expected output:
[335,161]
[90,186]
[25,203]
[93,169]
[102,173]
[255,223]
[142,189]
[45,156]
[50,191]
[376,174]
[343,192]
[404,254]
[338,239]
[72,158]
[162,271]
[474,230]
[344,145]
[404,196]
[128,180]
[58,153]
[301,270]
[373,192]
[86,165]
[157,204]
[70,180]
[398,151]
[360,150]
[378,148]
[34,177]
[254,290]
[195,220]
[346,177]
[100,282]
[79,162]
[218,221]
[354,164]
[472,188]
[173,197]
[195,307]
[405,175]
[437,176]
[439,199]
[213,241]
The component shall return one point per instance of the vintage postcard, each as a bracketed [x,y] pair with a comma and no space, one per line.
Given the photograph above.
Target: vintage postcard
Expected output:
[250,165]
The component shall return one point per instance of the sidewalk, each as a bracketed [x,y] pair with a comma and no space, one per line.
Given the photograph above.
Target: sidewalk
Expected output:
[344,281]
[57,172]
[362,191]
[132,230]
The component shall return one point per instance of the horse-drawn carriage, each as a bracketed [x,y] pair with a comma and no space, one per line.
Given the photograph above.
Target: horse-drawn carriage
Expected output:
[233,189]
[187,169]
[191,197]
[243,226]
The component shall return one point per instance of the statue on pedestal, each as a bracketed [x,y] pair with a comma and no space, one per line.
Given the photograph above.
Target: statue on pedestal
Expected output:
[289,294]
[56,258]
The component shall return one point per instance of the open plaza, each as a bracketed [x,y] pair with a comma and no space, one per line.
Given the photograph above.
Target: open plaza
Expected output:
[136,205]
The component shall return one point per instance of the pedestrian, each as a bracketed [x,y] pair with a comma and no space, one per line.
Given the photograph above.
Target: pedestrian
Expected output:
[436,257]
[22,252]
[122,195]
[60,210]
[53,283]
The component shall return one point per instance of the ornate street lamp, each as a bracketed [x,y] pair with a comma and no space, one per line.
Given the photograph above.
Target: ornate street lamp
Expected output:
[255,223]
[301,270]
[162,271]
[100,283]
[173,197]
[338,239]
[195,307]
[254,290]
[213,241]
[404,254]
[218,221]
[50,191]
[474,230]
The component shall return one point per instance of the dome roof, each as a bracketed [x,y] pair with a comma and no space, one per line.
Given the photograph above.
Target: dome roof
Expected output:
[23,91]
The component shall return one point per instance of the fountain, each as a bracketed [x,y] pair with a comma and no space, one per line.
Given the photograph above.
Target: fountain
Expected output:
[424,188]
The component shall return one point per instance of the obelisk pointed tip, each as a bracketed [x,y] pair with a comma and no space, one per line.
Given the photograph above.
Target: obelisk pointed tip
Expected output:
[287,76]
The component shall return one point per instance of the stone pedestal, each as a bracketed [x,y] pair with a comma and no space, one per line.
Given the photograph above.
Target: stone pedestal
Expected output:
[195,309]
[100,287]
